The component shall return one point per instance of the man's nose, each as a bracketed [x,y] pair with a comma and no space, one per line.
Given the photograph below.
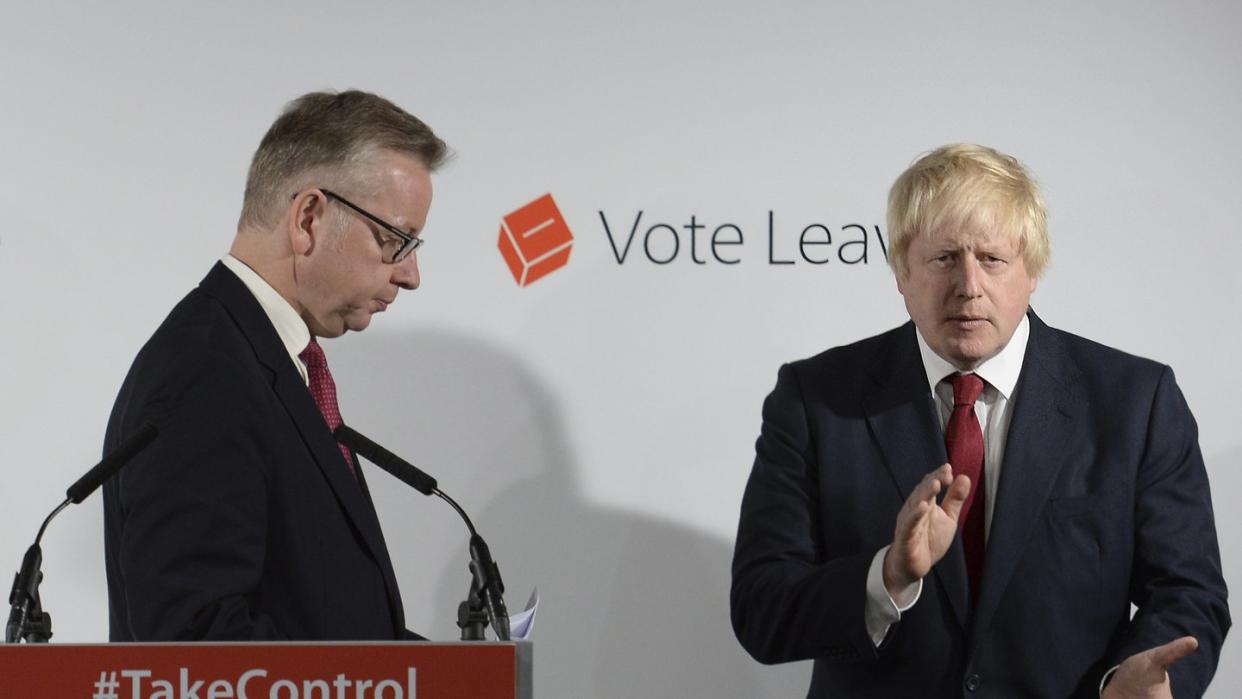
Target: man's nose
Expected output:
[970,277]
[405,272]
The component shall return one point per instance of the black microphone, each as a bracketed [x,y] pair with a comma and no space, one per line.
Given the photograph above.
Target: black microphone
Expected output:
[486,572]
[386,460]
[111,463]
[27,620]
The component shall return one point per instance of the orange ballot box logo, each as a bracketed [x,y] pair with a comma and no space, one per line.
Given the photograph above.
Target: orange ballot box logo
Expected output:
[535,241]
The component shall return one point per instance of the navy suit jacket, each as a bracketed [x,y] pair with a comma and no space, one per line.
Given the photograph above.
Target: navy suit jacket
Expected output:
[241,521]
[1103,501]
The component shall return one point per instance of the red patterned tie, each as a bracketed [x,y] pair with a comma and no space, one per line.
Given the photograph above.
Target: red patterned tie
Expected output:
[964,440]
[323,390]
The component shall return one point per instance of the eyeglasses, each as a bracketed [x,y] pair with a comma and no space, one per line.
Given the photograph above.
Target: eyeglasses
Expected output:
[394,250]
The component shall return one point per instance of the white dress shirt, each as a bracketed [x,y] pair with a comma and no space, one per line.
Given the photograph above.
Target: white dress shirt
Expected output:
[294,334]
[994,409]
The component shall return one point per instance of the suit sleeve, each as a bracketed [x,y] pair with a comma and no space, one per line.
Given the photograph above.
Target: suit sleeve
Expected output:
[194,508]
[789,601]
[1176,582]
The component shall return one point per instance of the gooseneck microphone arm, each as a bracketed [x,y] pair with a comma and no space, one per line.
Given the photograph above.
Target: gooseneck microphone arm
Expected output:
[487,582]
[27,620]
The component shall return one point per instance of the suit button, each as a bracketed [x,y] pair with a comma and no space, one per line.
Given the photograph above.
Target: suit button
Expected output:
[972,683]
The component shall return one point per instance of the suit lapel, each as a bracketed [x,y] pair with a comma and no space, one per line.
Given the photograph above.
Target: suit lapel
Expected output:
[350,493]
[293,394]
[1041,432]
[379,548]
[902,418]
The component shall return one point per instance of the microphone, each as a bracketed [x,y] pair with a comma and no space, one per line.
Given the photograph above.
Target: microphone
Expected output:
[111,463]
[27,620]
[486,572]
[386,460]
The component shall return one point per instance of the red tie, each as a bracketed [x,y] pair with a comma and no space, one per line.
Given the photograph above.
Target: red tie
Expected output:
[323,390]
[964,440]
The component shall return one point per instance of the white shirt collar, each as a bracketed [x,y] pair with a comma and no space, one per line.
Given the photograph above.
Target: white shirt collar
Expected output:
[1001,371]
[292,330]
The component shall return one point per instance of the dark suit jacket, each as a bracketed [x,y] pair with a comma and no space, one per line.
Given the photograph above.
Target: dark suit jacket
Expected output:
[1103,501]
[241,521]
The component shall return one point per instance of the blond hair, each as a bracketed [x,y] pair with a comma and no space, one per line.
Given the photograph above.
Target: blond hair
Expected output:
[967,187]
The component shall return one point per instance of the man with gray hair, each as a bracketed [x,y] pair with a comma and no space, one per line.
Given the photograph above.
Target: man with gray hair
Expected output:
[245,520]
[969,504]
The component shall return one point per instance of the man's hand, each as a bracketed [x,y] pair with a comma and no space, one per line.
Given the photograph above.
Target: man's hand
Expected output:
[925,529]
[1146,674]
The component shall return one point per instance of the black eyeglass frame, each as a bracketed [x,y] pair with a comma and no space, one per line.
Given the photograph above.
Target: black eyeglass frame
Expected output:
[409,243]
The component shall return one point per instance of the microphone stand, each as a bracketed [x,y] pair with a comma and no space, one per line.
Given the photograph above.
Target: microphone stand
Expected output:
[471,614]
[27,620]
[484,601]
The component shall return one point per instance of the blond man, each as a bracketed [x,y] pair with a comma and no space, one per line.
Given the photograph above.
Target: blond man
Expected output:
[969,504]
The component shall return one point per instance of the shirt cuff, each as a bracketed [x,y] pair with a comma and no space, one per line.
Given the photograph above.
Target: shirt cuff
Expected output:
[882,610]
[1107,676]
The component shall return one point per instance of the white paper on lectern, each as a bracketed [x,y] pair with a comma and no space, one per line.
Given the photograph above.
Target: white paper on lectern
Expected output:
[522,624]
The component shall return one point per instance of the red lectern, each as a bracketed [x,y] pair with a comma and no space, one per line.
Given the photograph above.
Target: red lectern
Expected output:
[267,671]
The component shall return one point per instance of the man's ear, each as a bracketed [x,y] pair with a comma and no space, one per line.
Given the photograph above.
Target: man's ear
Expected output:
[306,221]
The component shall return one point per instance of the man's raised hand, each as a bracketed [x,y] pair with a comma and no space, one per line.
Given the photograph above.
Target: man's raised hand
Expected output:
[925,529]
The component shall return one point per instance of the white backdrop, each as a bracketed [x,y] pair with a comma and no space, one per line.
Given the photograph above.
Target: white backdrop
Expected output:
[600,423]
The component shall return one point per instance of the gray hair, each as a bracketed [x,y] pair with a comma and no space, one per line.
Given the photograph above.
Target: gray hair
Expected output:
[326,137]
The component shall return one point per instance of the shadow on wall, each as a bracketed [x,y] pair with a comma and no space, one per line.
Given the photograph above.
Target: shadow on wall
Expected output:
[631,605]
